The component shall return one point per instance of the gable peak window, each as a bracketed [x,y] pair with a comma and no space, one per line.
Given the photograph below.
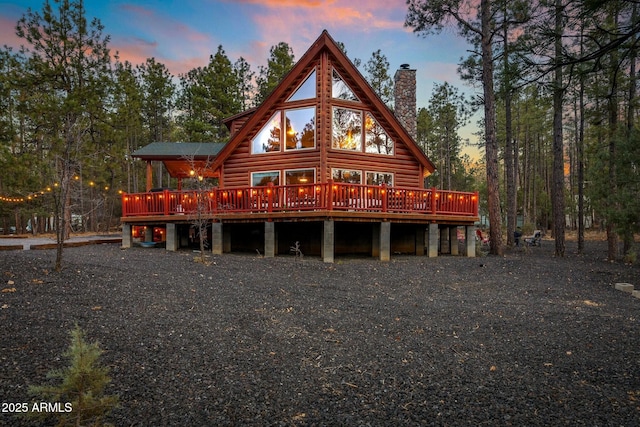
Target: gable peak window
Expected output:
[307,90]
[340,89]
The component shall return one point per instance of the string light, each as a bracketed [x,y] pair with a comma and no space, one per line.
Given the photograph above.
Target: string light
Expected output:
[48,189]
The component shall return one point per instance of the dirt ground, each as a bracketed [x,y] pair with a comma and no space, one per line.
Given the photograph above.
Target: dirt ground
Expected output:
[524,339]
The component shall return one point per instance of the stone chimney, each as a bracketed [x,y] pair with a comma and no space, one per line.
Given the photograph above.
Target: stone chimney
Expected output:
[405,98]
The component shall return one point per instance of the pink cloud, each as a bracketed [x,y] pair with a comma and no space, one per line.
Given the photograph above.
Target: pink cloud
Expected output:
[8,32]
[137,52]
[171,42]
[287,3]
[360,16]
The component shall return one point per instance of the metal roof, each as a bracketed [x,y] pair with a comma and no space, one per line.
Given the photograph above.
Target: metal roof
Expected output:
[178,150]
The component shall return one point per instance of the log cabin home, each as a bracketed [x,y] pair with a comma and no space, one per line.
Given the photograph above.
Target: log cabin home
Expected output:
[322,165]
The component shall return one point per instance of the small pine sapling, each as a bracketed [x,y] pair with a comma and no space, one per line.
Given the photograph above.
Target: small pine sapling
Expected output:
[81,391]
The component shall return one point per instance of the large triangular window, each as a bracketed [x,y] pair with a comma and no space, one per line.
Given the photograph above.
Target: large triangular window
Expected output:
[340,89]
[376,139]
[307,90]
[269,138]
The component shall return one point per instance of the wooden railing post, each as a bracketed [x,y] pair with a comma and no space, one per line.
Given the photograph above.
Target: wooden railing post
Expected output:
[270,189]
[385,197]
[125,204]
[330,198]
[477,204]
[433,200]
[166,201]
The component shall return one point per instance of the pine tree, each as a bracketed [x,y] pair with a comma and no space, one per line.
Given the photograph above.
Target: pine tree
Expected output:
[82,385]
[431,17]
[66,68]
[244,75]
[377,69]
[209,95]
[281,61]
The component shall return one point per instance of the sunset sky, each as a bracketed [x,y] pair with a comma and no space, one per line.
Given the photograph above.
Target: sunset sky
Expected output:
[182,34]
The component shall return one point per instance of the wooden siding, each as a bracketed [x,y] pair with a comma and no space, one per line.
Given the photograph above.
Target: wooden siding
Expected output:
[237,124]
[238,165]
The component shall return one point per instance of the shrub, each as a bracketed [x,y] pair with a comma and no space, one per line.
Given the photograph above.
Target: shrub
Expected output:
[80,394]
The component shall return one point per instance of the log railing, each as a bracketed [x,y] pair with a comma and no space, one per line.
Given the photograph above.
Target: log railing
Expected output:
[302,197]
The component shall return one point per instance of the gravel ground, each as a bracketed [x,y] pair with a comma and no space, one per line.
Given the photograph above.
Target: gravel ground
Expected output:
[525,339]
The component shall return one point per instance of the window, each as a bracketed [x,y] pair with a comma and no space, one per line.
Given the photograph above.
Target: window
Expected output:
[376,139]
[345,175]
[300,176]
[379,178]
[259,179]
[268,140]
[347,129]
[341,90]
[306,90]
[300,128]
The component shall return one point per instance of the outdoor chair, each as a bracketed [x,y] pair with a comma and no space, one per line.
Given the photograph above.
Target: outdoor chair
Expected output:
[484,241]
[535,239]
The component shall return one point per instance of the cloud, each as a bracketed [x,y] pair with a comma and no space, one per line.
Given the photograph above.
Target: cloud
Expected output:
[151,34]
[276,20]
[286,3]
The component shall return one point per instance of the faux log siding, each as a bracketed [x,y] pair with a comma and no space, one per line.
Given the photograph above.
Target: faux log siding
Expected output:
[404,167]
[238,167]
[324,117]
[240,164]
[237,124]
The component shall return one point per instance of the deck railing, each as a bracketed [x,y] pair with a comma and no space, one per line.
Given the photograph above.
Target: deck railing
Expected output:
[302,197]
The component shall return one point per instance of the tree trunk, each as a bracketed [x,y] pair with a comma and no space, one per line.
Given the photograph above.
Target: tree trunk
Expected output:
[491,144]
[512,202]
[612,236]
[558,146]
[580,149]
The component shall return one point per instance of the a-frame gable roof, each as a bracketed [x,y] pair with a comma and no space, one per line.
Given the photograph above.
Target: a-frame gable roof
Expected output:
[355,80]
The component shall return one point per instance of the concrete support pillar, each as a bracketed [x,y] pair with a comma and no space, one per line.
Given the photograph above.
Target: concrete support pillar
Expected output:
[453,239]
[269,239]
[420,240]
[172,243]
[216,238]
[444,240]
[432,250]
[328,240]
[385,241]
[126,235]
[470,241]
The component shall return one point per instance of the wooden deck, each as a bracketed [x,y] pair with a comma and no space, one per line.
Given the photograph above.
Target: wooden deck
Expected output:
[326,219]
[305,202]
